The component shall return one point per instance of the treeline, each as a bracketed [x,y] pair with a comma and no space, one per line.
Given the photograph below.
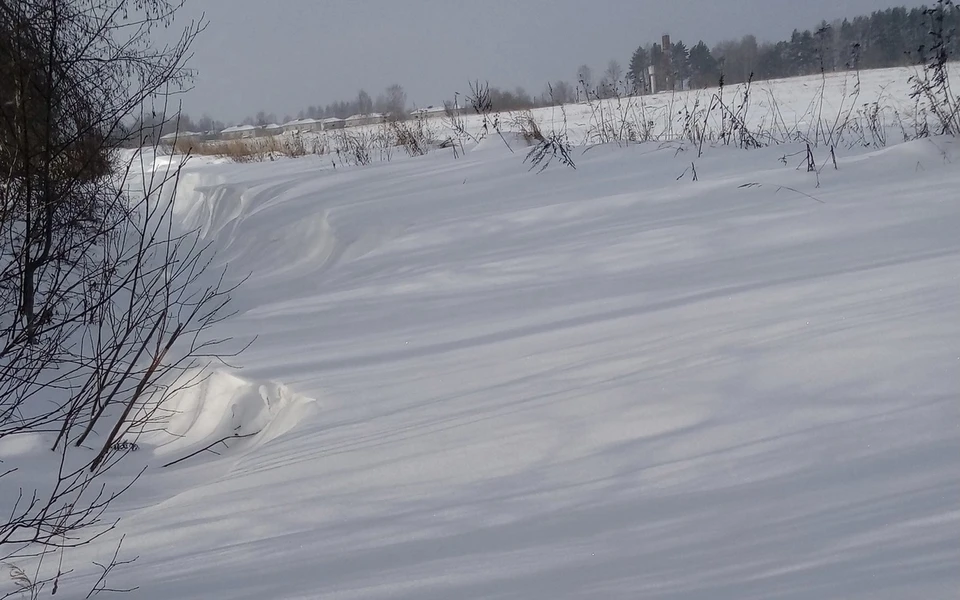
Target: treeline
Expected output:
[886,38]
[393,101]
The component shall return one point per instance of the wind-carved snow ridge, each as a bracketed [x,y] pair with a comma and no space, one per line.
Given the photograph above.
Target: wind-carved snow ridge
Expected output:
[219,405]
[215,404]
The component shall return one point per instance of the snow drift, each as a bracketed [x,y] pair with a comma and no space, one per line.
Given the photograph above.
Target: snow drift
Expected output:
[218,405]
[613,382]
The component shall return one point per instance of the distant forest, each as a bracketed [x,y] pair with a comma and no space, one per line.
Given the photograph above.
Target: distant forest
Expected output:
[885,38]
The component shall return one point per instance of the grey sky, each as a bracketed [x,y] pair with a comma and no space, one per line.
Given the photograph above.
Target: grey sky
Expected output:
[284,55]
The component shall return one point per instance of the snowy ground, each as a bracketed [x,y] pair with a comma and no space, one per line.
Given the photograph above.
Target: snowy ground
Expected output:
[590,383]
[844,109]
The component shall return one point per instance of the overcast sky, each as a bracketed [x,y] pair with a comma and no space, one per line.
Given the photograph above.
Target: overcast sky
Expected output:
[284,55]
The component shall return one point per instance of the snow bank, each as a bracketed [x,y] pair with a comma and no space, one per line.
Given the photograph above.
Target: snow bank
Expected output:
[220,405]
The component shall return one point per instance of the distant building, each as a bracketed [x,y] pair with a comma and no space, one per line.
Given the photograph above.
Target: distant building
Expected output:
[239,132]
[302,125]
[368,119]
[272,129]
[311,125]
[333,123]
[431,111]
[667,66]
[180,136]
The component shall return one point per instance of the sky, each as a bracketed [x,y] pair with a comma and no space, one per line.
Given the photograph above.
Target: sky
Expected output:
[284,55]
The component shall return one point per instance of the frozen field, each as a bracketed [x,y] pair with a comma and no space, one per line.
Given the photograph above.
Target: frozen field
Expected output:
[843,109]
[474,381]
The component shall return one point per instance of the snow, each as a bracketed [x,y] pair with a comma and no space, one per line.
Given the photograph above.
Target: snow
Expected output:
[179,135]
[428,110]
[847,104]
[222,404]
[239,128]
[474,381]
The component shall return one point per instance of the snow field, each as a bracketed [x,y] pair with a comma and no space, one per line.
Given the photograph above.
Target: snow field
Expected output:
[605,382]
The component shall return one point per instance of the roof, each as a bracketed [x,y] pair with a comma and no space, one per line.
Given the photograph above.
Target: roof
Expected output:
[180,134]
[296,123]
[236,128]
[360,117]
[429,110]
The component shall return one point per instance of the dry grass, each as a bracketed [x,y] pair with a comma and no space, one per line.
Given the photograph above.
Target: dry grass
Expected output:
[545,148]
[250,150]
[355,147]
[414,136]
[528,128]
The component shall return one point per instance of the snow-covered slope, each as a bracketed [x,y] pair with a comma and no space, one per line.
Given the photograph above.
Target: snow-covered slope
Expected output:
[590,383]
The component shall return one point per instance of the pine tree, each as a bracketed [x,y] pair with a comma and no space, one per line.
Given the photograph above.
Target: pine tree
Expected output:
[772,60]
[884,38]
[749,54]
[680,60]
[803,53]
[848,44]
[703,66]
[637,73]
[823,42]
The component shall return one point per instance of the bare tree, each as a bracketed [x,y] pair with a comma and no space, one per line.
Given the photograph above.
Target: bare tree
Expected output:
[394,102]
[104,304]
[565,93]
[364,103]
[557,93]
[208,123]
[585,79]
[612,79]
[738,58]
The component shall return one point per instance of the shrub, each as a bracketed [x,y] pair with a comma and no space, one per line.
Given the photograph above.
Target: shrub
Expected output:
[932,84]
